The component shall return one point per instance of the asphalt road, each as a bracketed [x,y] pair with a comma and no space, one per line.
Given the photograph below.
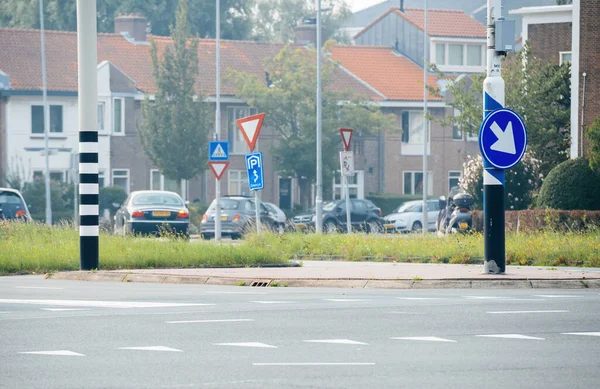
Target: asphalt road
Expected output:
[68,334]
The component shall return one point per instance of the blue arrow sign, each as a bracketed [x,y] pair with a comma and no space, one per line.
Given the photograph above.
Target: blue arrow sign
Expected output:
[503,138]
[254,167]
[218,151]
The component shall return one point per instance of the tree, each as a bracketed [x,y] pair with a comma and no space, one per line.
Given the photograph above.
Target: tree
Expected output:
[563,2]
[276,20]
[539,92]
[290,104]
[174,128]
[236,15]
[593,136]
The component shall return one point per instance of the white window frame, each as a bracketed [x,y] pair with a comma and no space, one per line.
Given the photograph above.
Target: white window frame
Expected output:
[237,135]
[413,173]
[128,176]
[451,176]
[468,136]
[445,67]
[240,180]
[359,185]
[561,55]
[102,104]
[122,99]
[416,148]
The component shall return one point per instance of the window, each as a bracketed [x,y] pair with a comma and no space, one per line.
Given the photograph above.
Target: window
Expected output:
[118,116]
[474,55]
[236,139]
[355,185]
[455,55]
[412,127]
[37,119]
[358,146]
[101,117]
[160,182]
[413,183]
[453,178]
[120,177]
[565,56]
[54,176]
[101,179]
[440,54]
[238,183]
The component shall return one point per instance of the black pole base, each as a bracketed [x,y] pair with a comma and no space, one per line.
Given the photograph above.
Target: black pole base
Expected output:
[88,252]
[493,229]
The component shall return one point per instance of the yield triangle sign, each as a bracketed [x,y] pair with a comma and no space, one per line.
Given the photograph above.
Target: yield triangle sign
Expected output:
[346,134]
[218,168]
[250,127]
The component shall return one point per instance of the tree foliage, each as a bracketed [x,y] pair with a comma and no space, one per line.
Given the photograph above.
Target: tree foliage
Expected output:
[236,15]
[539,92]
[174,128]
[290,105]
[593,136]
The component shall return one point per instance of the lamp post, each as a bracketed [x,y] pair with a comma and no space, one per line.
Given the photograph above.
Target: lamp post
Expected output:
[218,119]
[319,197]
[46,116]
[425,221]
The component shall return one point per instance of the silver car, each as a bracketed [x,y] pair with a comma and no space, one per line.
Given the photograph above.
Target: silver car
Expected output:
[13,206]
[409,216]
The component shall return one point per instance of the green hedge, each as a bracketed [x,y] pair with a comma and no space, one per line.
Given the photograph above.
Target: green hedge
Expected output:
[388,202]
[571,185]
[545,220]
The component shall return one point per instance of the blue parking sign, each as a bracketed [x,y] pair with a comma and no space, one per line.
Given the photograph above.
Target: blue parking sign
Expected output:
[503,138]
[254,166]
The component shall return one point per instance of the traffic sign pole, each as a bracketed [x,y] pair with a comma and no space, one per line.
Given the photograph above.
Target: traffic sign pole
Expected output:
[348,216]
[493,182]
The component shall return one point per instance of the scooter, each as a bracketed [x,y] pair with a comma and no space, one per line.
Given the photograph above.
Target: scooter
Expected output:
[455,214]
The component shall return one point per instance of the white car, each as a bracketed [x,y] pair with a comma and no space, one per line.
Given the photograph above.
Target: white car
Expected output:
[409,216]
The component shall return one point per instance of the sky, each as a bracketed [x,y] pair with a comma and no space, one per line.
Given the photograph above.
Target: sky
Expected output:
[357,5]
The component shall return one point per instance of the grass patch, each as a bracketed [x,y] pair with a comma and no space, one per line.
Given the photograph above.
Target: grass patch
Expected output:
[37,248]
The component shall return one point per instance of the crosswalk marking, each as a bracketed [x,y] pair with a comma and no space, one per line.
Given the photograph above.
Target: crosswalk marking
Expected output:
[425,338]
[582,333]
[511,336]
[152,348]
[335,341]
[63,353]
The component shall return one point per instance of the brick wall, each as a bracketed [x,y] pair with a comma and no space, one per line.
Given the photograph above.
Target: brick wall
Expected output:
[548,40]
[589,62]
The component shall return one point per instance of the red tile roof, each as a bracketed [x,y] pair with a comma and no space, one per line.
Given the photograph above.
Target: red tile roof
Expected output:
[394,75]
[20,59]
[442,23]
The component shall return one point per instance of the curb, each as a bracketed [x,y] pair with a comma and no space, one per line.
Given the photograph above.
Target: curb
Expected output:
[331,283]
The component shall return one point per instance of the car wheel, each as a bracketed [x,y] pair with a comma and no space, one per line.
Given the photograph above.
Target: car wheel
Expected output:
[417,227]
[330,227]
[374,227]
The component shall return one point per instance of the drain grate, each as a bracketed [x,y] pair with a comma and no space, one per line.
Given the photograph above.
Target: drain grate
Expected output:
[260,283]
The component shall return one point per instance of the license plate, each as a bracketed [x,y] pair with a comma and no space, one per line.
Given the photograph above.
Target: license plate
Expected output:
[224,217]
[300,226]
[161,213]
[389,226]
[463,225]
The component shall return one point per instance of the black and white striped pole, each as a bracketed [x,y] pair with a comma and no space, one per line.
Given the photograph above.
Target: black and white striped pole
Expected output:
[88,134]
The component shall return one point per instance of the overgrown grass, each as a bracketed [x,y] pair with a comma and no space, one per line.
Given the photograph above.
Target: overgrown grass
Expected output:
[36,248]
[539,249]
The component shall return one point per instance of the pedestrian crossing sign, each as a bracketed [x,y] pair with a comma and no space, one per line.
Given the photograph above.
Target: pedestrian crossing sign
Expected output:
[218,151]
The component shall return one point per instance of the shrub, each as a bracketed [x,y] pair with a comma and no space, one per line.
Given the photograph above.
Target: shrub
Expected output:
[571,185]
[593,136]
[545,220]
[110,195]
[388,202]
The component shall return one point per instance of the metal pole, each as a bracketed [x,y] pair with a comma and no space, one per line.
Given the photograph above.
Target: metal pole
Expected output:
[46,118]
[88,133]
[425,219]
[319,197]
[348,216]
[218,122]
[257,210]
[75,182]
[493,179]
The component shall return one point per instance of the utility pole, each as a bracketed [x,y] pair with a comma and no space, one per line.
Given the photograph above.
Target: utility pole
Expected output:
[319,197]
[88,133]
[425,220]
[218,122]
[46,117]
[493,178]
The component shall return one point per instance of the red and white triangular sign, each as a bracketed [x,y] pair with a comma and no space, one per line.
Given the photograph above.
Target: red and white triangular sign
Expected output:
[218,168]
[250,127]
[346,134]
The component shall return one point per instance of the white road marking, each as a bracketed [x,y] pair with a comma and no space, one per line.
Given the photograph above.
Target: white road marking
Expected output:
[582,333]
[38,287]
[5,311]
[208,321]
[426,338]
[518,299]
[407,313]
[486,297]
[335,341]
[64,309]
[64,353]
[152,348]
[315,364]
[418,298]
[99,304]
[510,336]
[216,292]
[246,344]
[274,302]
[507,312]
[345,300]
[558,296]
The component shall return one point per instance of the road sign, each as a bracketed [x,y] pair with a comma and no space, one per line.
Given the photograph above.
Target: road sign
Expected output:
[218,151]
[503,138]
[346,134]
[254,167]
[347,163]
[250,127]
[218,168]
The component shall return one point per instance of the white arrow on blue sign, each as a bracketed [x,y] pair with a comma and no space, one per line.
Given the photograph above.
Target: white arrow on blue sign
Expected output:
[503,138]
[218,151]
[254,166]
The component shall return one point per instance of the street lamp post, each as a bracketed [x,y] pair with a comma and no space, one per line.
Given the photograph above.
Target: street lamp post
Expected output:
[425,221]
[319,197]
[218,120]
[46,117]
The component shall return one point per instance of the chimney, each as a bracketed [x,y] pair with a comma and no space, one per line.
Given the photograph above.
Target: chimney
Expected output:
[401,5]
[306,33]
[133,27]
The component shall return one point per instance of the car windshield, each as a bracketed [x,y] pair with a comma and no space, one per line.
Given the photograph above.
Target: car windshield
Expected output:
[157,199]
[330,206]
[409,207]
[12,198]
[226,205]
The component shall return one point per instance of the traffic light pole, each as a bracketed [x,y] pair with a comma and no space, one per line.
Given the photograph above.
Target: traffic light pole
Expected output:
[493,178]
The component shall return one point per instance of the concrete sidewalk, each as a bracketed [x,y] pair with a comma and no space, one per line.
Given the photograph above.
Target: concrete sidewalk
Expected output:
[357,275]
